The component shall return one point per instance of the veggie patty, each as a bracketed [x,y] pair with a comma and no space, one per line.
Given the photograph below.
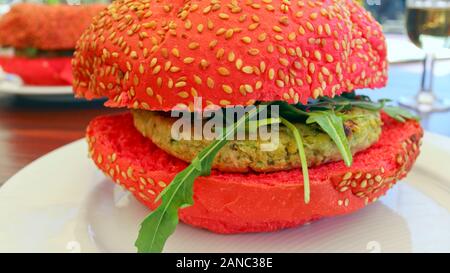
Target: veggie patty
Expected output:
[362,127]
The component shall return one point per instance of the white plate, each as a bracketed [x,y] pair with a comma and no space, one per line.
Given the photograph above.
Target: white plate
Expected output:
[31,90]
[62,203]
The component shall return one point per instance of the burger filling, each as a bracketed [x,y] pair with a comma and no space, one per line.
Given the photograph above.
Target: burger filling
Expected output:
[362,129]
[35,53]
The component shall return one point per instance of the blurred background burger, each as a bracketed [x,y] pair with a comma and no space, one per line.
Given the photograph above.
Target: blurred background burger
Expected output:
[37,40]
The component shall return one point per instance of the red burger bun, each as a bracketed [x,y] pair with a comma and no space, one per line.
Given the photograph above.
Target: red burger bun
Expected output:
[45,27]
[238,203]
[163,55]
[55,71]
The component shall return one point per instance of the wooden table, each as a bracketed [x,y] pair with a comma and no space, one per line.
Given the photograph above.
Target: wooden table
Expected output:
[29,130]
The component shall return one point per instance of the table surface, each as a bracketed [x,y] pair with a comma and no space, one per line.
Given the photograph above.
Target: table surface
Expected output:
[30,129]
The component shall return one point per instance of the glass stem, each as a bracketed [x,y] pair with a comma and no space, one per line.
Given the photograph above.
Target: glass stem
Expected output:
[428,70]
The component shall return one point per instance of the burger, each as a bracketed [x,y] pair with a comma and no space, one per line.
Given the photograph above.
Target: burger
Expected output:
[337,151]
[38,41]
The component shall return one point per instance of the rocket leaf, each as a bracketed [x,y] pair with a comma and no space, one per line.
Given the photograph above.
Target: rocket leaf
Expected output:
[302,154]
[333,125]
[162,222]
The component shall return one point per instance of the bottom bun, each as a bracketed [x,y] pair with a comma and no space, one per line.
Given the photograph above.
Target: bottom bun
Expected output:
[39,71]
[237,203]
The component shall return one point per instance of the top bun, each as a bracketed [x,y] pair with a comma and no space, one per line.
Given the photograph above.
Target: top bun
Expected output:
[45,27]
[157,55]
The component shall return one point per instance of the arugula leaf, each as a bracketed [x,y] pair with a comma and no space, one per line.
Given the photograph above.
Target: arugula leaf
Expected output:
[301,152]
[53,2]
[333,125]
[399,114]
[162,222]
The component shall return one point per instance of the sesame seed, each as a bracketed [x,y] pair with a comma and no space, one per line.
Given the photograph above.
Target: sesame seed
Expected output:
[175,69]
[284,62]
[167,65]
[312,68]
[188,60]
[363,184]
[200,28]
[153,62]
[253,51]
[188,24]
[262,37]
[262,66]
[176,52]
[213,44]
[207,9]
[180,84]
[318,55]
[279,37]
[231,56]
[193,45]
[220,53]
[347,176]
[197,79]
[253,26]
[301,30]
[227,89]
[229,34]
[210,83]
[239,64]
[292,36]
[149,91]
[223,71]
[277,29]
[220,31]
[317,92]
[194,92]
[156,70]
[183,94]
[271,74]
[248,88]
[224,16]
[210,24]
[246,40]
[329,58]
[248,69]
[204,64]
[280,83]
[159,99]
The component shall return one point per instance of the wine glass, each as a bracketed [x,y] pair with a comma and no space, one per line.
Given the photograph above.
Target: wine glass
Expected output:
[428,26]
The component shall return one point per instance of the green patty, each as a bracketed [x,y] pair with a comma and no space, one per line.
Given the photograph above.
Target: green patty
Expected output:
[37,53]
[363,129]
